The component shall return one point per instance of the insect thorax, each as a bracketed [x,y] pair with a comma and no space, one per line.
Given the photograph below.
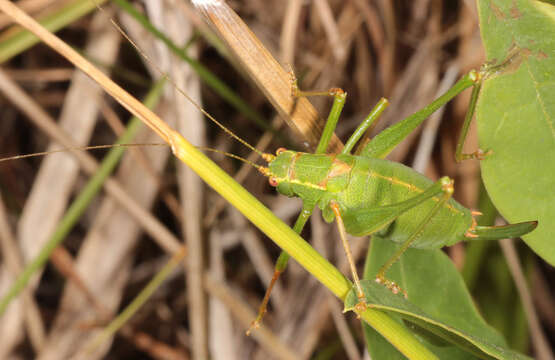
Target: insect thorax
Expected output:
[310,176]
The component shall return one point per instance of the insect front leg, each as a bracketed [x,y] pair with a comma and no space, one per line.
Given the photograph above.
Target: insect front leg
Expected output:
[383,143]
[339,97]
[478,154]
[369,122]
[487,70]
[279,267]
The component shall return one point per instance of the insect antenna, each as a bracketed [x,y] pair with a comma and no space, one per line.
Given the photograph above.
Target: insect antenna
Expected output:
[83,148]
[265,156]
[262,169]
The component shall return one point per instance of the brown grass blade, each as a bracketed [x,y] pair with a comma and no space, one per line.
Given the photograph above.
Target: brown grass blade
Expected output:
[265,71]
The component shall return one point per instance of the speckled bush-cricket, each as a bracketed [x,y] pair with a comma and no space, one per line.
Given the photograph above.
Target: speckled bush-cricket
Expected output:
[366,194]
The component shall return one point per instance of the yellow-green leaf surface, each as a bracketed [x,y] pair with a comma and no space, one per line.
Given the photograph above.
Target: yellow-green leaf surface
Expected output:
[439,308]
[516,116]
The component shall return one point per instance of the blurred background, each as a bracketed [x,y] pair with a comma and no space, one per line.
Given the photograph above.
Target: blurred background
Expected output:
[408,51]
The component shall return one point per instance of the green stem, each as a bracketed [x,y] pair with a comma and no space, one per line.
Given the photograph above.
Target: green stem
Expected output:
[289,241]
[397,335]
[305,214]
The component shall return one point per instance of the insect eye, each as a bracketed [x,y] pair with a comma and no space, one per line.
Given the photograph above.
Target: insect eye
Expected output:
[273,181]
[280,150]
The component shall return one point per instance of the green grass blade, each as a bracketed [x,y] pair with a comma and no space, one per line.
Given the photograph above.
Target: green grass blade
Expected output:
[139,300]
[22,40]
[80,204]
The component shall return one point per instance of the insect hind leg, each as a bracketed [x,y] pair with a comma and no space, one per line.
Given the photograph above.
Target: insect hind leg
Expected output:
[447,190]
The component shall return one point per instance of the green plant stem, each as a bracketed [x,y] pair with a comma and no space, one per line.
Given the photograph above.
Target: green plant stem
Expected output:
[399,336]
[80,204]
[234,193]
[293,244]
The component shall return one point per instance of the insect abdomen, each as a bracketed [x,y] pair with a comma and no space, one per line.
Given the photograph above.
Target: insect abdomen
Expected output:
[376,182]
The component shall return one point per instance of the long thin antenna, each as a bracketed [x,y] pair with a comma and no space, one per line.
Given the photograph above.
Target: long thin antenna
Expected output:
[204,112]
[84,148]
[260,168]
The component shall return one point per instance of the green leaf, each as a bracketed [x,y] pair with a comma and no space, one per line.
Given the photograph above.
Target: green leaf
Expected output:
[516,116]
[439,308]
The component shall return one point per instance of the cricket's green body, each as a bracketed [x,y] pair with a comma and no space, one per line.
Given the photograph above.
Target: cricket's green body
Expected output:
[367,195]
[359,184]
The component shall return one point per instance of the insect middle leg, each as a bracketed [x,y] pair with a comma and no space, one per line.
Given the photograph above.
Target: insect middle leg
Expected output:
[513,59]
[361,306]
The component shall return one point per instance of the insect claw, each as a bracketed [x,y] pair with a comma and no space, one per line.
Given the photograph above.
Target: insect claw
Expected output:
[391,285]
[477,155]
[481,155]
[469,233]
[254,325]
[360,307]
[336,92]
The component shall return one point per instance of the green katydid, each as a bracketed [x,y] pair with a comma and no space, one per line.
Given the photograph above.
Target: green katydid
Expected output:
[366,194]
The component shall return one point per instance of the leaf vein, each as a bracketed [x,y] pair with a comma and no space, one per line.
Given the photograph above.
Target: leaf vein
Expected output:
[541,102]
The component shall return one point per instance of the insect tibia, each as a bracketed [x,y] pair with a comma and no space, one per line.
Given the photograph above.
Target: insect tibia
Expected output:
[501,232]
